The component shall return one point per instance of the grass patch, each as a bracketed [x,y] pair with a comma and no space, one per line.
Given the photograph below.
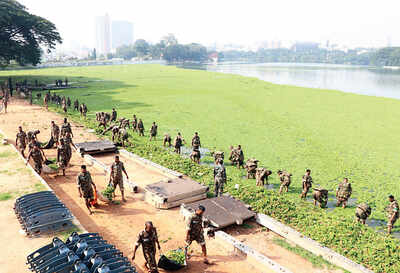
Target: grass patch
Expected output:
[5,196]
[284,127]
[65,234]
[39,187]
[317,261]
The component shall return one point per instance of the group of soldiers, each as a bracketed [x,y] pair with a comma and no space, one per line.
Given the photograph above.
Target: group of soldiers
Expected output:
[64,102]
[61,137]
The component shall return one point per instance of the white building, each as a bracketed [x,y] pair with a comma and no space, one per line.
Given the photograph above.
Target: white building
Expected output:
[103,35]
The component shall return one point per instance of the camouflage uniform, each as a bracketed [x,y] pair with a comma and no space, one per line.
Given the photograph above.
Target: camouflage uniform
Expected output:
[343,192]
[251,166]
[148,242]
[116,174]
[178,144]
[167,139]
[153,130]
[363,211]
[140,128]
[196,142]
[114,115]
[393,209]
[262,176]
[85,110]
[84,181]
[76,105]
[68,102]
[62,156]
[37,159]
[55,132]
[320,196]
[123,134]
[134,124]
[67,142]
[21,136]
[115,131]
[307,184]
[219,179]
[65,127]
[285,179]
[195,227]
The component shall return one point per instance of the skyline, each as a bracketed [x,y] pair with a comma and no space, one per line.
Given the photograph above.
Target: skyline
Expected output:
[351,23]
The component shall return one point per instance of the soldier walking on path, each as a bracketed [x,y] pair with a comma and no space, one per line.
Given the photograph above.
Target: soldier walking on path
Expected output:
[38,158]
[307,183]
[68,142]
[178,143]
[66,127]
[195,231]
[113,115]
[85,183]
[55,132]
[148,238]
[219,177]
[343,193]
[116,176]
[46,100]
[153,131]
[20,141]
[393,213]
[62,156]
[5,101]
[140,127]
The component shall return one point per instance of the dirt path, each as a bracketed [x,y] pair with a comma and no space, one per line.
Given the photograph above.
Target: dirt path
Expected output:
[15,179]
[120,224]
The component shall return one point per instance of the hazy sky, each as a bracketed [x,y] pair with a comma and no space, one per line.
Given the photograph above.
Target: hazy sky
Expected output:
[349,22]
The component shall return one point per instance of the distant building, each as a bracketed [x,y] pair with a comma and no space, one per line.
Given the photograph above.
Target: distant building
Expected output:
[103,35]
[121,33]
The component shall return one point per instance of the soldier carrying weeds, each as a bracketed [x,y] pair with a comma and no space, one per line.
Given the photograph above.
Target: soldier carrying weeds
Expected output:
[85,183]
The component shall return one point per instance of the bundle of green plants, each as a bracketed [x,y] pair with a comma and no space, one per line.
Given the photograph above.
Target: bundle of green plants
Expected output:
[52,163]
[177,255]
[108,192]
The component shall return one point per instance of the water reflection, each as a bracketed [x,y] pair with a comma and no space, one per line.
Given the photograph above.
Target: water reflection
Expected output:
[355,79]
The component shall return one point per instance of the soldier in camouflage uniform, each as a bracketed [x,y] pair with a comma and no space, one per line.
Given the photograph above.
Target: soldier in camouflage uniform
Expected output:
[178,143]
[195,230]
[85,183]
[262,176]
[62,156]
[148,238]
[66,127]
[218,155]
[196,144]
[64,106]
[363,211]
[84,110]
[76,105]
[219,177]
[195,155]
[285,179]
[68,102]
[81,109]
[68,142]
[167,139]
[393,213]
[46,100]
[113,115]
[38,158]
[102,120]
[307,183]
[134,123]
[153,131]
[320,196]
[124,122]
[140,127]
[55,132]
[251,167]
[20,141]
[116,176]
[343,193]
[114,130]
[123,136]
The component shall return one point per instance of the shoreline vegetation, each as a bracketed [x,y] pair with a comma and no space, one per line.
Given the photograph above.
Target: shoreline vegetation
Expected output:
[335,134]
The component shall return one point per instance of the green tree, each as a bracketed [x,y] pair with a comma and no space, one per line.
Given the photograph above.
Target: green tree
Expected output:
[169,39]
[22,34]
[141,47]
[126,52]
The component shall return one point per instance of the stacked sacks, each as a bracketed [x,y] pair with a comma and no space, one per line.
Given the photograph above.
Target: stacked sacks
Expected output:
[42,212]
[82,253]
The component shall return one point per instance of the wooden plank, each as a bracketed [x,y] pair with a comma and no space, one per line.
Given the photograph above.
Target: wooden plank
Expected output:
[236,208]
[167,205]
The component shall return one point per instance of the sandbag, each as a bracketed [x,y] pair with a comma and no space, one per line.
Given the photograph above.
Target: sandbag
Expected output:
[168,264]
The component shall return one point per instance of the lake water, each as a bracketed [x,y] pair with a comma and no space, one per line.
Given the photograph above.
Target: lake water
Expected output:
[356,79]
